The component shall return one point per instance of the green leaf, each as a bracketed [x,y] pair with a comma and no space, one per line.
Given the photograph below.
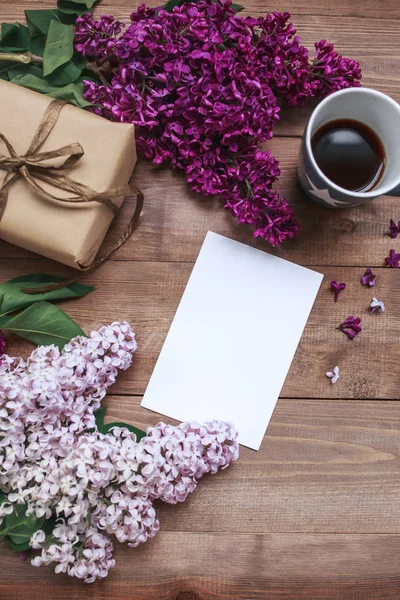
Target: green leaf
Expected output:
[70,8]
[69,72]
[4,76]
[59,47]
[18,547]
[20,69]
[23,534]
[37,45]
[19,528]
[237,7]
[73,92]
[8,64]
[16,517]
[3,497]
[14,299]
[139,433]
[75,7]
[105,428]
[99,415]
[171,3]
[69,19]
[43,324]
[87,3]
[14,37]
[39,21]
[31,81]
[49,525]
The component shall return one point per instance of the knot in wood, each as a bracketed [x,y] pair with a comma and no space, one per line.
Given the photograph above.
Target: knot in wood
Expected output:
[188,596]
[344,225]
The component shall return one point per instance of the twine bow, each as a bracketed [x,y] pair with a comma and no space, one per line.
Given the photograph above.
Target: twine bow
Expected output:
[33,168]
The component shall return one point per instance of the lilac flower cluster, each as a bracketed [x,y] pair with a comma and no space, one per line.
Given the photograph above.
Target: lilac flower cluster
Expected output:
[337,287]
[203,87]
[351,327]
[368,278]
[376,305]
[394,229]
[333,375]
[393,259]
[98,37]
[55,462]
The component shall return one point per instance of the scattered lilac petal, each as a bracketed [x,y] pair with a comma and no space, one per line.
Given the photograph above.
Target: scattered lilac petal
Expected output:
[368,278]
[333,375]
[351,327]
[376,305]
[393,259]
[394,229]
[337,288]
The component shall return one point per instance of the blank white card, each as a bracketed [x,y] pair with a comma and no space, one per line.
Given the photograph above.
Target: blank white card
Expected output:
[233,338]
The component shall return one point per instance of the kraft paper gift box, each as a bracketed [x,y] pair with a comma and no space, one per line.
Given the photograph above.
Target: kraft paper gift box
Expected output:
[68,233]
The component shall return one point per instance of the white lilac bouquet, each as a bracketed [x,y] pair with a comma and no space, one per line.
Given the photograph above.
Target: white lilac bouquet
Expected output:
[68,482]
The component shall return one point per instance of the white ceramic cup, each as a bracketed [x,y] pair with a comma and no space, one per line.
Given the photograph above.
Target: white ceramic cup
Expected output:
[382,115]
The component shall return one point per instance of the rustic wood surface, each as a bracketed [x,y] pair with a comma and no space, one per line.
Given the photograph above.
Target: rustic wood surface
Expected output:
[315,514]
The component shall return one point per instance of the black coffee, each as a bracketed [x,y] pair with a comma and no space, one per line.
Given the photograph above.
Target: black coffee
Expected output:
[350,154]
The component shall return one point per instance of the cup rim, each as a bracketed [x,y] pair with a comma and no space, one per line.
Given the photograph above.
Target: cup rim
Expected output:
[379,191]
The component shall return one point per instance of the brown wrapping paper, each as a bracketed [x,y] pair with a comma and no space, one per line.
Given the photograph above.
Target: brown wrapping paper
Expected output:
[68,233]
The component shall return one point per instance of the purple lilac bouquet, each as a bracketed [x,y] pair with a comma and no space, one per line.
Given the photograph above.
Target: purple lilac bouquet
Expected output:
[57,468]
[203,87]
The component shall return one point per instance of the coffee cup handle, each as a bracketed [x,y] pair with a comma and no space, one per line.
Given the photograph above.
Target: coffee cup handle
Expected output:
[394,192]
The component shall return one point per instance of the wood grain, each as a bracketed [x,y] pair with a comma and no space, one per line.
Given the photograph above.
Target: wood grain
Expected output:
[147,294]
[314,515]
[215,566]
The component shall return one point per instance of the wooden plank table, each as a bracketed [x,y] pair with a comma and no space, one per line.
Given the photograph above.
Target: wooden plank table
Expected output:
[315,514]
